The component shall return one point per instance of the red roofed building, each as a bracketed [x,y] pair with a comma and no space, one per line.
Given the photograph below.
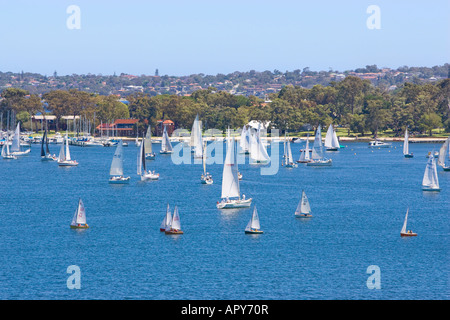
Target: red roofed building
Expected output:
[120,127]
[160,124]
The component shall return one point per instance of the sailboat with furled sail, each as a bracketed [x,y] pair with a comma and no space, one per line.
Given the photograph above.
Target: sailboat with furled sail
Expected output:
[444,155]
[142,167]
[230,181]
[406,146]
[318,159]
[303,209]
[116,170]
[253,226]
[149,154]
[430,180]
[403,232]
[79,218]
[166,146]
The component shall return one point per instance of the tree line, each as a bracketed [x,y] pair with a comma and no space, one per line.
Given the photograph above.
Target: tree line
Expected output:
[352,103]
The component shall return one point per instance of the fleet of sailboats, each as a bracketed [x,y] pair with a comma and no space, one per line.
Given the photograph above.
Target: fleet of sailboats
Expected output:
[430,180]
[79,218]
[406,152]
[318,158]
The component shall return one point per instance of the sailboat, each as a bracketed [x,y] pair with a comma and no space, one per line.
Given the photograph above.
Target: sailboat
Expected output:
[166,146]
[175,225]
[444,155]
[288,159]
[230,181]
[258,152]
[206,177]
[317,152]
[253,226]
[166,221]
[304,155]
[79,218]
[403,232]
[64,159]
[406,146]
[244,141]
[196,141]
[142,167]
[149,154]
[45,153]
[15,146]
[116,170]
[303,209]
[5,151]
[331,140]
[430,180]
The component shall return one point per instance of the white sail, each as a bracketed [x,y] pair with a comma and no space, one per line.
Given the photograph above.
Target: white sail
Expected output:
[167,219]
[193,140]
[406,143]
[331,140]
[117,162]
[254,221]
[148,141]
[61,156]
[141,155]
[4,149]
[166,146]
[230,179]
[405,222]
[303,206]
[444,153]
[67,149]
[80,214]
[430,178]
[15,145]
[204,158]
[317,150]
[244,142]
[258,152]
[176,220]
[290,159]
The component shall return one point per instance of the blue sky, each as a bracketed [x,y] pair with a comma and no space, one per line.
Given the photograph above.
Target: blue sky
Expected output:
[210,37]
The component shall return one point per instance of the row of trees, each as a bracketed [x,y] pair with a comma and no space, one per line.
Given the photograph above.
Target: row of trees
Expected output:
[352,103]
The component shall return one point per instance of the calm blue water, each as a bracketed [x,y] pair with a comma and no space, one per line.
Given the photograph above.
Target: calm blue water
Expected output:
[358,205]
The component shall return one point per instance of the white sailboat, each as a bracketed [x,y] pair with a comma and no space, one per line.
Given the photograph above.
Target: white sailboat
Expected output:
[15,145]
[142,167]
[149,154]
[64,159]
[166,146]
[288,159]
[230,181]
[406,146]
[304,154]
[79,218]
[317,152]
[253,226]
[244,141]
[5,151]
[206,177]
[258,152]
[196,141]
[430,180]
[175,225]
[331,140]
[403,232]
[303,209]
[444,155]
[165,224]
[116,170]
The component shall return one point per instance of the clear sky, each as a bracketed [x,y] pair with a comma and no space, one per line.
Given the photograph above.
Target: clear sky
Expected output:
[182,37]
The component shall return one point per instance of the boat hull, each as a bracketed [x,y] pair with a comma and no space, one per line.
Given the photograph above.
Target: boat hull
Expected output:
[332,149]
[207,181]
[150,156]
[232,204]
[320,163]
[71,163]
[410,155]
[408,234]
[291,165]
[253,231]
[119,180]
[85,226]
[303,215]
[147,177]
[165,152]
[173,232]
[446,168]
[431,189]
